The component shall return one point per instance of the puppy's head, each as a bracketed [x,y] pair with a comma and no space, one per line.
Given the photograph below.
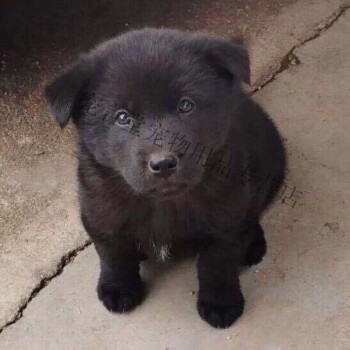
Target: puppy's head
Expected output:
[153,105]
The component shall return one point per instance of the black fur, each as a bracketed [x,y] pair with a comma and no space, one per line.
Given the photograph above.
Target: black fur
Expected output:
[128,210]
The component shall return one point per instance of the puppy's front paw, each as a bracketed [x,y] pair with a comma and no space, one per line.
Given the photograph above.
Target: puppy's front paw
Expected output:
[120,300]
[220,315]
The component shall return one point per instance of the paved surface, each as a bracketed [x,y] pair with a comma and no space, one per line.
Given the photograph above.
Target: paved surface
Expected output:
[298,298]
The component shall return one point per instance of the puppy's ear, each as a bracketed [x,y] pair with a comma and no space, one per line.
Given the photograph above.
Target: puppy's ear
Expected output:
[64,92]
[229,59]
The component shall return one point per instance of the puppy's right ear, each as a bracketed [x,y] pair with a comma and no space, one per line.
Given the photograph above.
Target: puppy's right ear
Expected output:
[64,92]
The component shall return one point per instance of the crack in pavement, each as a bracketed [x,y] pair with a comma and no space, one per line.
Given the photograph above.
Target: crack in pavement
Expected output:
[290,59]
[65,260]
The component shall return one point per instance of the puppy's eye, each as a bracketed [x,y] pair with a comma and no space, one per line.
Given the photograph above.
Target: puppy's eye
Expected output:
[185,105]
[122,117]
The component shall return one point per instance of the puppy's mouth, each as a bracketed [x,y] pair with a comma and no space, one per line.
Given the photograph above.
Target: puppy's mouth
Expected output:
[166,190]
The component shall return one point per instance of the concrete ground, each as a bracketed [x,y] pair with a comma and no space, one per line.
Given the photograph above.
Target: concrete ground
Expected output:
[297,298]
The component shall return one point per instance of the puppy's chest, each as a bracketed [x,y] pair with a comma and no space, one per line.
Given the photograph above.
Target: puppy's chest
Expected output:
[166,225]
[169,221]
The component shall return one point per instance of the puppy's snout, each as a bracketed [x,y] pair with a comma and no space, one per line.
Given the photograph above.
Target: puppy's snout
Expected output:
[163,165]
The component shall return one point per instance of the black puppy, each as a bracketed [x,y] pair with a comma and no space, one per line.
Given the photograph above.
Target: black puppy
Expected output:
[171,152]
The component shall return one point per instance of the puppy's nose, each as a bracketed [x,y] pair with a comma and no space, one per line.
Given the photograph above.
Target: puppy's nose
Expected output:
[163,165]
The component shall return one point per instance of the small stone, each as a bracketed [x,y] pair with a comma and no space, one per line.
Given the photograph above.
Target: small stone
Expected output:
[192,292]
[228,337]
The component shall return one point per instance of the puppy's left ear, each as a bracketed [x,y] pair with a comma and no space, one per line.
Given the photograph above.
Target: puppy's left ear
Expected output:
[64,93]
[229,59]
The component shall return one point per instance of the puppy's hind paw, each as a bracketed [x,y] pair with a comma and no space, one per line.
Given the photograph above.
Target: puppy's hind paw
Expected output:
[120,300]
[256,251]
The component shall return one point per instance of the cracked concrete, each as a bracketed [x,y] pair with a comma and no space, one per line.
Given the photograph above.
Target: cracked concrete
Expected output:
[290,59]
[65,260]
[308,100]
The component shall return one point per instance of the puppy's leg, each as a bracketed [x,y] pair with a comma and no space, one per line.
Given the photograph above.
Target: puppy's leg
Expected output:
[257,248]
[119,287]
[220,300]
